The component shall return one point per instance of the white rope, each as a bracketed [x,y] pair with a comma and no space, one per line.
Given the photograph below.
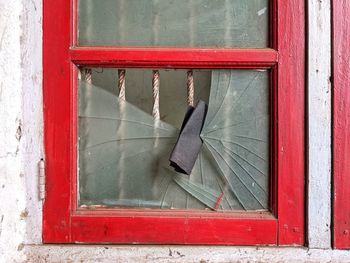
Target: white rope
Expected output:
[122,178]
[190,88]
[88,75]
[121,84]
[155,86]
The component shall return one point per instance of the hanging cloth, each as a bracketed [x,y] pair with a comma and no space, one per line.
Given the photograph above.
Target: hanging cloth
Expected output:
[189,143]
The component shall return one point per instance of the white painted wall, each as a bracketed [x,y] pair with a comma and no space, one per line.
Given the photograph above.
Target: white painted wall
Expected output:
[319,111]
[12,179]
[21,147]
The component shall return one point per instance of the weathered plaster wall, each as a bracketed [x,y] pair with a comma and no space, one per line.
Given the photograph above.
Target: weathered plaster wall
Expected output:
[12,179]
[319,111]
[21,137]
[21,147]
[32,114]
[183,254]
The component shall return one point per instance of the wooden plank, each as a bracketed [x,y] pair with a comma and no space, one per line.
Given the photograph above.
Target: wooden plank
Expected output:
[174,58]
[178,213]
[57,110]
[319,127]
[291,119]
[341,123]
[157,230]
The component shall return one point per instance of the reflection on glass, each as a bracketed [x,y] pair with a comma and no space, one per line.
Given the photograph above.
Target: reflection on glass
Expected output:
[174,23]
[124,153]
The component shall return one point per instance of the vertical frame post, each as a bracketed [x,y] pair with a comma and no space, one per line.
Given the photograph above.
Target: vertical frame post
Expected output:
[341,123]
[291,120]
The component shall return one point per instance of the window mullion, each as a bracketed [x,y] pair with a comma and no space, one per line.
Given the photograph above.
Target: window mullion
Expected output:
[175,58]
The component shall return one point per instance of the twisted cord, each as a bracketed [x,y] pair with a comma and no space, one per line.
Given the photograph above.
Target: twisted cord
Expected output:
[190,88]
[155,86]
[88,75]
[121,84]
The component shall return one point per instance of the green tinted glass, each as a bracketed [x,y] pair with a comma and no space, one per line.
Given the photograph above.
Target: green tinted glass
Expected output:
[124,152]
[174,23]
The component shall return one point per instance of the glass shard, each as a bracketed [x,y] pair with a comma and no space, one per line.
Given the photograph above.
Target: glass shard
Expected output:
[124,152]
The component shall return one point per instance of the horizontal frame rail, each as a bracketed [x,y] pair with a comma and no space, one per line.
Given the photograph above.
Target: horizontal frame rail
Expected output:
[132,213]
[219,231]
[174,57]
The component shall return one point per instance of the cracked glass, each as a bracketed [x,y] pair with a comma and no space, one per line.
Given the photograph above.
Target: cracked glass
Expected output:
[124,152]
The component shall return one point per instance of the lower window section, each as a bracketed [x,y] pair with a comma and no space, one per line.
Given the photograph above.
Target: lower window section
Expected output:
[126,139]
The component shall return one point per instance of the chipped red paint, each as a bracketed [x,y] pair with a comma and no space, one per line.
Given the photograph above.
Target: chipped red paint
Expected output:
[172,230]
[291,122]
[284,225]
[174,57]
[341,123]
[58,124]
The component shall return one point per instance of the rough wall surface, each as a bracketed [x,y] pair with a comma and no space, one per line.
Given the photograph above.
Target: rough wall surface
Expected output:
[319,109]
[21,137]
[21,147]
[32,113]
[12,180]
[182,254]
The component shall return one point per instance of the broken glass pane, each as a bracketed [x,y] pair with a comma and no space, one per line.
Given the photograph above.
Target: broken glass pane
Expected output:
[124,152]
[174,23]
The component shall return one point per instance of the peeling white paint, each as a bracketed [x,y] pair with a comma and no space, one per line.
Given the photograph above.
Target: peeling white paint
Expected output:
[176,254]
[12,190]
[319,141]
[32,116]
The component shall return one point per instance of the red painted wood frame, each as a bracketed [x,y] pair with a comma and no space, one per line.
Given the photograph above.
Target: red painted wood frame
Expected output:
[341,123]
[284,225]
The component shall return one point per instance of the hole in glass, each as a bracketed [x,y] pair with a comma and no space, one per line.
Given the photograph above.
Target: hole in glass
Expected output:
[124,149]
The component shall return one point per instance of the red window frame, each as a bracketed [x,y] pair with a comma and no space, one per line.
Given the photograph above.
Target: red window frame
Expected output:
[341,124]
[283,225]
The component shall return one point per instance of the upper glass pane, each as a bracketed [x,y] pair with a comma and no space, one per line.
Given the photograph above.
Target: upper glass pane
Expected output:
[174,23]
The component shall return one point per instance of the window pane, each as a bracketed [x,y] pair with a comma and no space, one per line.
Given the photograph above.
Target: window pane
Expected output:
[124,152]
[174,23]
